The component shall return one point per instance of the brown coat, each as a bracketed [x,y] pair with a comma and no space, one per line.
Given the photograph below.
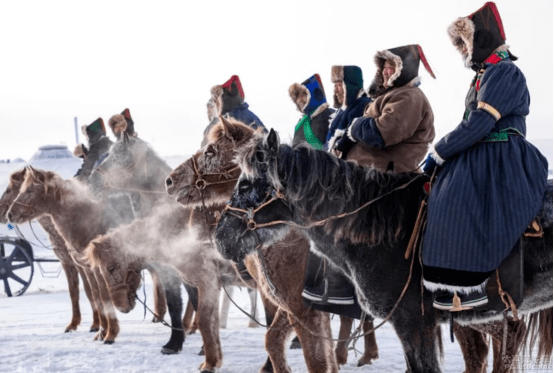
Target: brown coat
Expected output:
[405,120]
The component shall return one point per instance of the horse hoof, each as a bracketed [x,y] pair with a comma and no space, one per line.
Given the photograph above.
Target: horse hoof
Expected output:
[109,342]
[169,351]
[93,329]
[364,361]
[201,353]
[156,320]
[295,345]
[68,330]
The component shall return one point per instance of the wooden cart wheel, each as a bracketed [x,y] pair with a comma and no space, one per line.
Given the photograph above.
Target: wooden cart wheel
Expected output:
[16,267]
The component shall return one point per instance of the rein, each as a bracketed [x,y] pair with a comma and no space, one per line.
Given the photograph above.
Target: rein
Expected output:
[251,224]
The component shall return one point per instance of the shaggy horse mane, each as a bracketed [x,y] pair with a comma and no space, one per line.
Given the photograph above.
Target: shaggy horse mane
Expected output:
[53,183]
[320,185]
[17,177]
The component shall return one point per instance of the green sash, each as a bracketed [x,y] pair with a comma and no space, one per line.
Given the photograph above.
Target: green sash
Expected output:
[311,138]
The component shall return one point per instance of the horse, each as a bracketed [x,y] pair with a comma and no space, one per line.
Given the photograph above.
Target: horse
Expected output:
[359,218]
[208,178]
[67,203]
[133,167]
[71,269]
[133,172]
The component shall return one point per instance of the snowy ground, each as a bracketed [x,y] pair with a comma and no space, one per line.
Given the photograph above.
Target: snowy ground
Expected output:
[32,340]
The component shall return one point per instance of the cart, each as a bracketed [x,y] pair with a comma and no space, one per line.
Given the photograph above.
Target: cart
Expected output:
[17,264]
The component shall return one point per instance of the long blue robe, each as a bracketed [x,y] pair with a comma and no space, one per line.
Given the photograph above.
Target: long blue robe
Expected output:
[486,193]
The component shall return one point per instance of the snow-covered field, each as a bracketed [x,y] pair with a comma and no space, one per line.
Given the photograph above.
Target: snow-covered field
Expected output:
[32,337]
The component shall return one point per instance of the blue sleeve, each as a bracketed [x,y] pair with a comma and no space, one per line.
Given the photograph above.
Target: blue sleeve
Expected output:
[502,87]
[364,130]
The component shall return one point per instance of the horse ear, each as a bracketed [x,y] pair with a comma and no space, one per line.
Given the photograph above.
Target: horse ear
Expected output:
[273,142]
[225,123]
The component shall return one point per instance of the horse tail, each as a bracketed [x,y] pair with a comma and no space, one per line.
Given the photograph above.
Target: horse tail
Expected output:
[539,333]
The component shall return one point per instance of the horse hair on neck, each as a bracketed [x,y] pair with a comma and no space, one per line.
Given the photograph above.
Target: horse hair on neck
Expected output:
[321,185]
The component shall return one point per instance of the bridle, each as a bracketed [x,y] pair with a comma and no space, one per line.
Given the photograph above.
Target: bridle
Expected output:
[251,225]
[201,178]
[127,283]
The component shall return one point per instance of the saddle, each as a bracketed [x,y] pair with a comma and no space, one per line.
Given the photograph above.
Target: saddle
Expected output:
[327,290]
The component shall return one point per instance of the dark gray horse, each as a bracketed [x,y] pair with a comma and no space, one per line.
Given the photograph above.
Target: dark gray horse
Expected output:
[280,186]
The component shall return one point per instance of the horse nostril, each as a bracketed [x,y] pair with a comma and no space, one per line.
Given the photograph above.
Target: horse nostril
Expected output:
[10,215]
[168,182]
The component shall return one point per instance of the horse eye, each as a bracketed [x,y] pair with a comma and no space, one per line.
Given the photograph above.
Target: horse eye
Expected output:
[111,269]
[244,186]
[29,191]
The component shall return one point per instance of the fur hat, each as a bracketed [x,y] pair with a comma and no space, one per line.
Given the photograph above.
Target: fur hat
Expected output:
[80,151]
[406,60]
[122,122]
[228,95]
[94,131]
[353,82]
[308,96]
[481,32]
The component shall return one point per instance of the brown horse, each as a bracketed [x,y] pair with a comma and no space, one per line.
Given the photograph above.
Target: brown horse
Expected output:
[283,287]
[78,219]
[164,237]
[204,176]
[71,269]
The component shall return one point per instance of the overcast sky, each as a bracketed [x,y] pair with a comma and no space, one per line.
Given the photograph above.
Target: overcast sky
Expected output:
[66,59]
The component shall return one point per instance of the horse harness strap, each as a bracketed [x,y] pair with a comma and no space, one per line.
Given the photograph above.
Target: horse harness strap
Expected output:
[250,212]
[201,183]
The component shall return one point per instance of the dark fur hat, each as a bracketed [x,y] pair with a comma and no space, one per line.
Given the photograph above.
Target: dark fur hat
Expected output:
[353,82]
[481,32]
[309,95]
[406,60]
[94,131]
[228,95]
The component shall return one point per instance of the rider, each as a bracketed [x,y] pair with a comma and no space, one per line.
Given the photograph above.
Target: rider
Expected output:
[396,128]
[310,100]
[123,122]
[98,144]
[491,180]
[228,100]
[349,98]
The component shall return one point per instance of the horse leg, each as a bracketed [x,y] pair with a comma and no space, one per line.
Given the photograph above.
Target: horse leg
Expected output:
[172,286]
[341,352]
[253,293]
[72,275]
[275,340]
[475,348]
[189,324]
[313,328]
[97,305]
[160,307]
[270,311]
[109,309]
[187,318]
[224,313]
[95,315]
[418,336]
[208,324]
[514,336]
[371,351]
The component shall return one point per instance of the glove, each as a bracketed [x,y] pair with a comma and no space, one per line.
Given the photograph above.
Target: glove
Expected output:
[344,145]
[430,165]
